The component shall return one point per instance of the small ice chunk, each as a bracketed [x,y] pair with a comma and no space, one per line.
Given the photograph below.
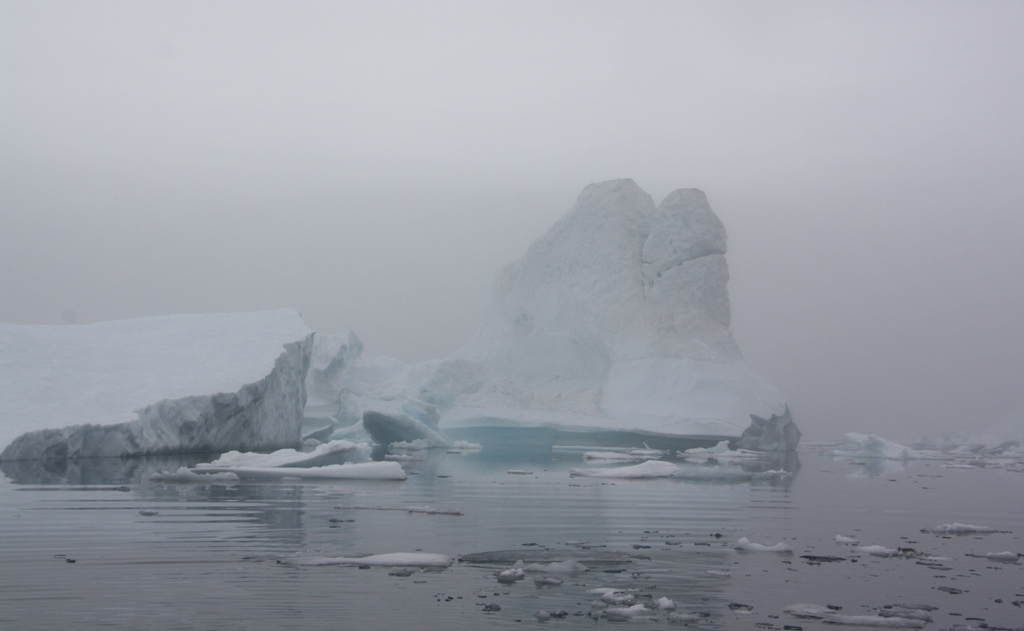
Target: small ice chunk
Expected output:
[746,545]
[618,597]
[519,472]
[513,574]
[666,603]
[465,444]
[1004,557]
[547,581]
[850,541]
[878,551]
[649,469]
[184,476]
[623,614]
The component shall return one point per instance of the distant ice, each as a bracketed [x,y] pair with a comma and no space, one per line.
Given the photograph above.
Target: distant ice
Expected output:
[870,446]
[959,529]
[851,541]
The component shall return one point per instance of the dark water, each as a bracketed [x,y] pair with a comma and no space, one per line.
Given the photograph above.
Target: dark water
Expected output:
[207,559]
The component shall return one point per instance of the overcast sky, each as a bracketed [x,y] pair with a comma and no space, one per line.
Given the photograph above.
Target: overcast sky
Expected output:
[372,165]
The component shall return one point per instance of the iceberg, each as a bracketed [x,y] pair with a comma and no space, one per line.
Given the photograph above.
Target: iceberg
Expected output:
[157,385]
[612,329]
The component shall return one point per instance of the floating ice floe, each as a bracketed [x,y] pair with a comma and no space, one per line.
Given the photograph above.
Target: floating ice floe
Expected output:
[547,581]
[666,604]
[157,385]
[720,451]
[625,455]
[333,452]
[850,541]
[746,545]
[959,529]
[649,469]
[1002,557]
[349,471]
[823,613]
[467,445]
[184,476]
[392,559]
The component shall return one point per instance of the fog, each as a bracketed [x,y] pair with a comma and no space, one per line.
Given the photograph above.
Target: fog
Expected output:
[373,164]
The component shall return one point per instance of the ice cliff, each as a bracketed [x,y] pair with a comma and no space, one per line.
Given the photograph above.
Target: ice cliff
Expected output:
[169,384]
[617,321]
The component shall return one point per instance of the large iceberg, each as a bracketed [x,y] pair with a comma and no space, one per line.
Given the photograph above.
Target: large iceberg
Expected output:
[614,326]
[158,385]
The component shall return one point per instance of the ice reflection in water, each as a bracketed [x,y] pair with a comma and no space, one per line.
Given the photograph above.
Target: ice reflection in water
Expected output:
[207,558]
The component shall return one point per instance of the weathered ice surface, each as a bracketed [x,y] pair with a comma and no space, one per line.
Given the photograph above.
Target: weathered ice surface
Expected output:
[615,321]
[168,384]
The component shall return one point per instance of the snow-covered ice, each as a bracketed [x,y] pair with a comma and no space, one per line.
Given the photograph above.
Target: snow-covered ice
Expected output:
[649,469]
[334,452]
[157,385]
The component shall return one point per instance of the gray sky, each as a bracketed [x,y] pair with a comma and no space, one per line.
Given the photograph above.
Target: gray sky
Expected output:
[372,164]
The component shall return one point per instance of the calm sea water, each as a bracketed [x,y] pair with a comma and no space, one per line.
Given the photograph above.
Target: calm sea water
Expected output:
[208,558]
